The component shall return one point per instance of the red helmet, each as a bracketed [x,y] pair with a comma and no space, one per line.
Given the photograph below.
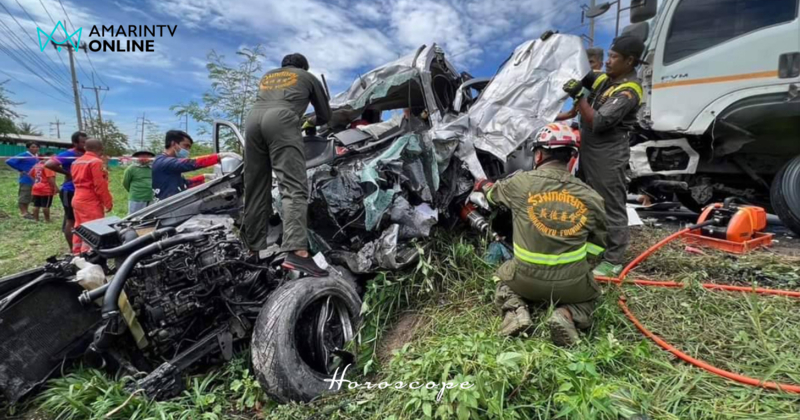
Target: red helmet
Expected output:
[556,135]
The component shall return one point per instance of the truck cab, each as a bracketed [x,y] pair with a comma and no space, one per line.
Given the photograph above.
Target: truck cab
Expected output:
[721,113]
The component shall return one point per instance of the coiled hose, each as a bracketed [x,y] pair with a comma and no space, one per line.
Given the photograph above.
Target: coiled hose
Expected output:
[620,280]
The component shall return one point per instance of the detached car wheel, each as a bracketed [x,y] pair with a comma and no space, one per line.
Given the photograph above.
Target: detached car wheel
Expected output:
[785,195]
[300,336]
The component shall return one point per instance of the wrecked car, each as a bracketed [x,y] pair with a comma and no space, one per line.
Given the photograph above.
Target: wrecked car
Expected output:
[171,288]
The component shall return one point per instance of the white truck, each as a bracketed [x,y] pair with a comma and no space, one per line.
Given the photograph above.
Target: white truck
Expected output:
[721,111]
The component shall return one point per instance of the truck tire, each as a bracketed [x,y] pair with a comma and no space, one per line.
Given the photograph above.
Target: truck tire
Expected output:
[285,360]
[785,195]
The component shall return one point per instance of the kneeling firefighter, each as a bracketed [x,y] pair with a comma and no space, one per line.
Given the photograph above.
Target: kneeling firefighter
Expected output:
[557,220]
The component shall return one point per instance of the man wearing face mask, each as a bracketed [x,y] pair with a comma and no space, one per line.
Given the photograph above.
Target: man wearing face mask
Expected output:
[169,166]
[557,220]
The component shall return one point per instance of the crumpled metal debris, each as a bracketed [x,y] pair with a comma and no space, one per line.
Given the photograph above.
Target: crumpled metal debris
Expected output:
[414,221]
[407,160]
[376,83]
[335,196]
[525,95]
[379,128]
[431,168]
[382,253]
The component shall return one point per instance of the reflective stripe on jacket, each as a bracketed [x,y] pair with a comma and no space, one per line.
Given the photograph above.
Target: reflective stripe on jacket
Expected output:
[557,220]
[634,86]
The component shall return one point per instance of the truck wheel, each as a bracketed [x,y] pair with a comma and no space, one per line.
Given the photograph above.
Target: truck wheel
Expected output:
[299,336]
[785,194]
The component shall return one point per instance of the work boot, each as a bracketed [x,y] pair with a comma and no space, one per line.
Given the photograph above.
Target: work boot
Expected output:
[606,269]
[562,329]
[304,264]
[515,322]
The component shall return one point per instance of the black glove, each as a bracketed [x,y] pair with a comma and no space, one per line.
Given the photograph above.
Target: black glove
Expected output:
[574,88]
[547,34]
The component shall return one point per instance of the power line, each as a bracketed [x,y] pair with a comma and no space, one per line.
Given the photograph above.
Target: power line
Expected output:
[37,25]
[69,49]
[54,23]
[22,63]
[48,13]
[596,21]
[45,65]
[24,55]
[81,67]
[31,87]
[95,70]
[97,90]
[66,14]
[86,51]
[24,50]
[58,125]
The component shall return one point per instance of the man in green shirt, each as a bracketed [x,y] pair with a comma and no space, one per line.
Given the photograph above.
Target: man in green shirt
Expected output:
[138,181]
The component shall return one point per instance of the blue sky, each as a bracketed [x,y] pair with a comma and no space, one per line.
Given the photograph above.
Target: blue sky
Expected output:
[341,38]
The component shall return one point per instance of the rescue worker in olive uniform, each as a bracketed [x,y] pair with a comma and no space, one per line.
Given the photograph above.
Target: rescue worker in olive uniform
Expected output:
[557,221]
[608,115]
[273,143]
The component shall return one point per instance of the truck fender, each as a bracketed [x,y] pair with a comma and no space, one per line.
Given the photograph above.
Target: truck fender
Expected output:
[704,119]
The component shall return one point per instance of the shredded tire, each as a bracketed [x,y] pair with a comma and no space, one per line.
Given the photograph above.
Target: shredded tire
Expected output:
[277,362]
[785,195]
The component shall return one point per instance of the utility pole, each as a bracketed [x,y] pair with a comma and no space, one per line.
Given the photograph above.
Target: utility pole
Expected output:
[591,25]
[58,125]
[71,50]
[144,120]
[97,90]
[89,123]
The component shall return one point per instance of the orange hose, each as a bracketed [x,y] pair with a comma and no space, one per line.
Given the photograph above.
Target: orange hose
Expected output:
[672,349]
[710,286]
[701,364]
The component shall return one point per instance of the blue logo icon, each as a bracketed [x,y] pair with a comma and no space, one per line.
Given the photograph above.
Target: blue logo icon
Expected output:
[67,37]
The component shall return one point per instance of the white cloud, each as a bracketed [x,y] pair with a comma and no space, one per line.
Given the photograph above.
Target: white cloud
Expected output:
[340,38]
[421,22]
[130,79]
[131,9]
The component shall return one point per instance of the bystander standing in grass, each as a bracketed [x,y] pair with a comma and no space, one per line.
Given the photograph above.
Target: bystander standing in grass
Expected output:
[138,181]
[62,164]
[44,188]
[92,198]
[23,163]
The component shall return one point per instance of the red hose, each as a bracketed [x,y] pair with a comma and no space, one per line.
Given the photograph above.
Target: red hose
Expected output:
[710,286]
[670,348]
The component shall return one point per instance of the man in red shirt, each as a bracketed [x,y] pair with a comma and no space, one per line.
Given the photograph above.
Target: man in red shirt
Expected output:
[92,197]
[44,188]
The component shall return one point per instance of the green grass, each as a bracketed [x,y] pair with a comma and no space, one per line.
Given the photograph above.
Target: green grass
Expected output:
[25,243]
[613,373]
